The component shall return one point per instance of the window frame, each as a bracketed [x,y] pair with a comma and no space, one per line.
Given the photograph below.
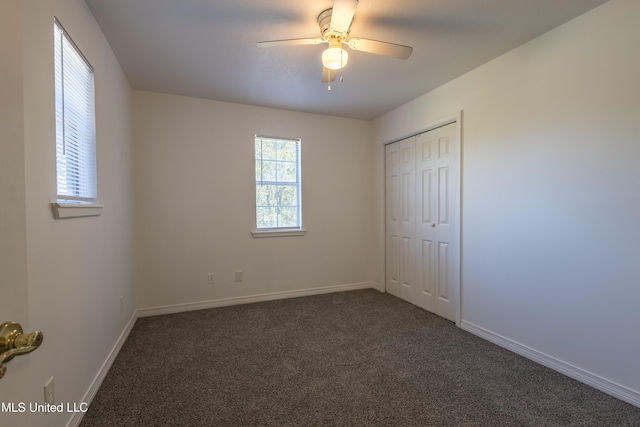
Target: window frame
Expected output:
[78,197]
[297,230]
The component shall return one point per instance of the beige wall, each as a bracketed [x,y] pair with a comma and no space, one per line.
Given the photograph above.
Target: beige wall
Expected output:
[77,268]
[550,194]
[195,201]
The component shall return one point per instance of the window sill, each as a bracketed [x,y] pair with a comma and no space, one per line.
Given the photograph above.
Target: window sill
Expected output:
[75,210]
[278,233]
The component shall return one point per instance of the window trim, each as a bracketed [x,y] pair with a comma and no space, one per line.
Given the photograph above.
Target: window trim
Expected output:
[278,232]
[75,210]
[281,231]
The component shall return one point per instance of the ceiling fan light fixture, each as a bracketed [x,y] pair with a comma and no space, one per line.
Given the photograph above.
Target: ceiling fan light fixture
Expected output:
[335,25]
[335,58]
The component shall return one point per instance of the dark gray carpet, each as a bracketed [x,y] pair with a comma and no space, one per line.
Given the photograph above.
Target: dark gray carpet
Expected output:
[357,358]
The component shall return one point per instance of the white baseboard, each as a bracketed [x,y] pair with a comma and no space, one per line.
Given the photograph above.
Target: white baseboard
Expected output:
[224,302]
[102,372]
[378,287]
[616,390]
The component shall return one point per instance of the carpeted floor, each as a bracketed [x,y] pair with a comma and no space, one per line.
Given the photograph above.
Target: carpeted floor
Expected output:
[357,358]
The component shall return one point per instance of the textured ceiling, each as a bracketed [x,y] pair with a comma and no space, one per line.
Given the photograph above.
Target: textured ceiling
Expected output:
[207,48]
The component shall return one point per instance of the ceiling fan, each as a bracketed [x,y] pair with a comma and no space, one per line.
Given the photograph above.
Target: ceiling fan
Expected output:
[335,24]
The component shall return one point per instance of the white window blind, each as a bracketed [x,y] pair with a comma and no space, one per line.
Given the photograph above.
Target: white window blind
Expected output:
[75,122]
[278,189]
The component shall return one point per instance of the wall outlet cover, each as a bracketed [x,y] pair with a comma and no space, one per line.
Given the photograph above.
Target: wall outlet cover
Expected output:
[49,394]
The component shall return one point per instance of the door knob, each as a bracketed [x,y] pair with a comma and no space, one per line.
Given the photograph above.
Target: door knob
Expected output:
[433,224]
[15,343]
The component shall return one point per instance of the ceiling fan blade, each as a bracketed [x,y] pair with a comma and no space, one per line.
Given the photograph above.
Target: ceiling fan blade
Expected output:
[381,48]
[328,75]
[342,15]
[290,42]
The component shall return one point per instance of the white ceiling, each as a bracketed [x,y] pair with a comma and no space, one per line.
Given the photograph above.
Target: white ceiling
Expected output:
[207,48]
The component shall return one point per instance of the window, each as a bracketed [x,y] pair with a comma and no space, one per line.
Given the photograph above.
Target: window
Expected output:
[75,122]
[278,207]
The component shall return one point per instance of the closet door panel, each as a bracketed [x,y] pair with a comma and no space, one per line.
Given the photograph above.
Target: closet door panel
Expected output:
[408,223]
[425,228]
[445,301]
[392,222]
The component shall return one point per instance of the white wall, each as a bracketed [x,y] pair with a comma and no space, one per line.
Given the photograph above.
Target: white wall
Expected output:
[195,201]
[550,198]
[77,268]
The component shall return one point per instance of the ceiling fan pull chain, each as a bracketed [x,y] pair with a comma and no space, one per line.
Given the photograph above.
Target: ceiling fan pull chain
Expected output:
[329,82]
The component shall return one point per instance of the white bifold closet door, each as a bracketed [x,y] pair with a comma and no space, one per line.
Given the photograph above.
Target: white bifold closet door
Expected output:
[422,262]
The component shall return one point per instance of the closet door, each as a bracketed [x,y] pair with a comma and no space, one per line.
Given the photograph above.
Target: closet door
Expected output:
[435,196]
[422,225]
[400,219]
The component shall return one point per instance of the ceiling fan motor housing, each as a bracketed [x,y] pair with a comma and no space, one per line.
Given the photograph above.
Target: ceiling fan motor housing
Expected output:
[331,36]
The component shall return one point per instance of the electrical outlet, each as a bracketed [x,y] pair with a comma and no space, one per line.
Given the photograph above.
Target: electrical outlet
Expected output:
[238,275]
[211,279]
[49,396]
[121,303]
